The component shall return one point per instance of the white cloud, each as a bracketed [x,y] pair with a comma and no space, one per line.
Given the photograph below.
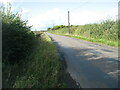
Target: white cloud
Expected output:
[24,10]
[86,17]
[58,17]
[54,16]
[25,13]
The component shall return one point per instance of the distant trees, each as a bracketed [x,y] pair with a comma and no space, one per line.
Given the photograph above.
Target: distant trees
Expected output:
[17,39]
[56,27]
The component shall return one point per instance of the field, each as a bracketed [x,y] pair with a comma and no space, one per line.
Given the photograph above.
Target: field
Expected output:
[105,32]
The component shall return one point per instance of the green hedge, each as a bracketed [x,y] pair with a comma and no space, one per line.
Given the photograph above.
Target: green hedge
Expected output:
[17,39]
[107,29]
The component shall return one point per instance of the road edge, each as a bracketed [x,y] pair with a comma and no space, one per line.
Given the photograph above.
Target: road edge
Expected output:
[71,83]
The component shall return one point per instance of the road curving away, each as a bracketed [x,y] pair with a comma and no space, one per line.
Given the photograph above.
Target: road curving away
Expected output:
[91,65]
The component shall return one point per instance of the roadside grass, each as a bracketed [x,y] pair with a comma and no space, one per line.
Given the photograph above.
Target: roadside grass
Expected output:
[40,69]
[100,41]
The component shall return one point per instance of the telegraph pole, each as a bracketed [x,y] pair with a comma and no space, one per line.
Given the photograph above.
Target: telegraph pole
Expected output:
[68,23]
[53,25]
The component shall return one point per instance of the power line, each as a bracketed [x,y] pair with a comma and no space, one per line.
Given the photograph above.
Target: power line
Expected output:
[69,15]
[80,5]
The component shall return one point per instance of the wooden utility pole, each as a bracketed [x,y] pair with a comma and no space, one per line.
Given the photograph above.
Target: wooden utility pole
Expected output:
[53,25]
[68,23]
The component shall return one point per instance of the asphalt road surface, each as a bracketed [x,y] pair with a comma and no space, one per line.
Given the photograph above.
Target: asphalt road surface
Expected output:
[89,64]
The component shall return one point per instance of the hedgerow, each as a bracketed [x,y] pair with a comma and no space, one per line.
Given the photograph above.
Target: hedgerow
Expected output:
[17,39]
[107,29]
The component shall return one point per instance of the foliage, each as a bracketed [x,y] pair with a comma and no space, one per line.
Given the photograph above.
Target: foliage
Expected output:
[17,38]
[107,31]
[48,29]
[40,69]
[56,27]
[37,62]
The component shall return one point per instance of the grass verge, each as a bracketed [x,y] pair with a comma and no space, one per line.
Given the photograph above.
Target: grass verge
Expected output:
[41,69]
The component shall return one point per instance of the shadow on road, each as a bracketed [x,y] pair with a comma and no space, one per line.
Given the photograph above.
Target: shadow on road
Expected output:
[89,68]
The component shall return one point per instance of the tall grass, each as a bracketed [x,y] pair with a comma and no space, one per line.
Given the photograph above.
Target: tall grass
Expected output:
[106,32]
[30,60]
[41,69]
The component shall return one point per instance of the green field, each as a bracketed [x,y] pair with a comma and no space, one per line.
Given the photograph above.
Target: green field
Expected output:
[105,32]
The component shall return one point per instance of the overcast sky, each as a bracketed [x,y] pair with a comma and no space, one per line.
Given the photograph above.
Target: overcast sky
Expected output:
[46,13]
